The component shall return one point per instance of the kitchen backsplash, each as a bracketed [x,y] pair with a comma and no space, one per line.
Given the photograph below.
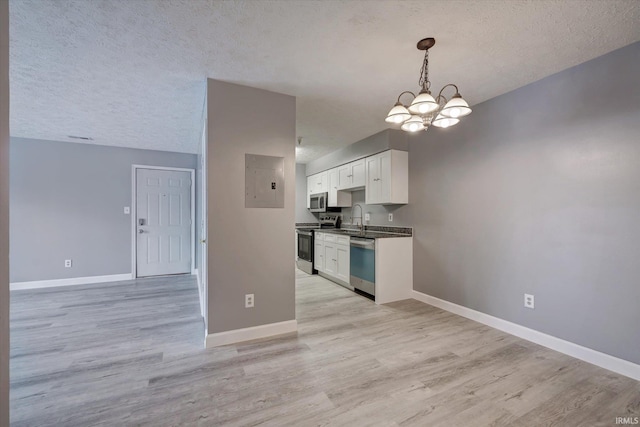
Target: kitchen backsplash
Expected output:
[379,213]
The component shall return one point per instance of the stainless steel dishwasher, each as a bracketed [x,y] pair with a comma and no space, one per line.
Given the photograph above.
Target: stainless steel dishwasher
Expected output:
[363,264]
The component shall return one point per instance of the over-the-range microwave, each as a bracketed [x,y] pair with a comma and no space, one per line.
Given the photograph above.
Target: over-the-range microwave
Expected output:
[318,203]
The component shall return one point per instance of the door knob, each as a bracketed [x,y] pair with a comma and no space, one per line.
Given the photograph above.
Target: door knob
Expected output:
[141,231]
[203,241]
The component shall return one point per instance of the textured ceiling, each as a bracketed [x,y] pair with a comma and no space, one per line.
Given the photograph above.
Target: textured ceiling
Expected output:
[132,73]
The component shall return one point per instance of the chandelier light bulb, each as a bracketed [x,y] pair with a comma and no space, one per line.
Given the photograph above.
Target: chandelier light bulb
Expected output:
[414,124]
[398,114]
[445,122]
[423,104]
[456,107]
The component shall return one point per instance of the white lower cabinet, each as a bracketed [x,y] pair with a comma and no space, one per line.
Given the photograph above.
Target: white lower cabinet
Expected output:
[330,261]
[393,260]
[318,252]
[342,262]
[331,256]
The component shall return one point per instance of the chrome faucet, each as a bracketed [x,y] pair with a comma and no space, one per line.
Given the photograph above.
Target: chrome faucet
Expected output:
[353,216]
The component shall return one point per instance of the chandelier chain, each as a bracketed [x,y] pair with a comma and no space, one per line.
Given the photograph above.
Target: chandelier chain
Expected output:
[424,82]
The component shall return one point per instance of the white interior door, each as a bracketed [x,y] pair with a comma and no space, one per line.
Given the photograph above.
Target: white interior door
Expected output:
[163,223]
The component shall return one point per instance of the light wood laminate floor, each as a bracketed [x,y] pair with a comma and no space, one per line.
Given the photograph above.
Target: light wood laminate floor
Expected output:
[130,354]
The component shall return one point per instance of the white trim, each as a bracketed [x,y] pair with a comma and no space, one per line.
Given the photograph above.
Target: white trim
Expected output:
[620,366]
[200,295]
[246,334]
[37,284]
[134,214]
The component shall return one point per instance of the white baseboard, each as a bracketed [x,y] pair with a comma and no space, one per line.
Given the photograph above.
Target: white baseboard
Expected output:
[246,334]
[37,284]
[620,366]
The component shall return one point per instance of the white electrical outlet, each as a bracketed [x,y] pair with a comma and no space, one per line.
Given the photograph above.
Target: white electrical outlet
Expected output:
[390,217]
[248,301]
[367,216]
[528,301]
[127,210]
[67,263]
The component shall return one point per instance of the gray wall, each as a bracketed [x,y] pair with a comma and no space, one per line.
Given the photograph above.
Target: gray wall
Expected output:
[250,250]
[67,201]
[538,191]
[302,213]
[386,140]
[4,213]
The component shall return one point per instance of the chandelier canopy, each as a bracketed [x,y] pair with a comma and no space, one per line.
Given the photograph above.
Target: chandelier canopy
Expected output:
[425,110]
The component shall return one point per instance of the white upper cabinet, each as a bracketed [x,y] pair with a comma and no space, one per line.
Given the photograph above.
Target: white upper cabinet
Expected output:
[384,176]
[387,178]
[344,176]
[357,173]
[351,175]
[336,198]
[310,184]
[318,183]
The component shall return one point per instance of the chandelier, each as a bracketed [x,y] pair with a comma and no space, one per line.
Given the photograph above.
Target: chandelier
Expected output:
[425,110]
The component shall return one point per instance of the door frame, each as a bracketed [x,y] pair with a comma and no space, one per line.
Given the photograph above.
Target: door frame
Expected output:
[134,214]
[203,239]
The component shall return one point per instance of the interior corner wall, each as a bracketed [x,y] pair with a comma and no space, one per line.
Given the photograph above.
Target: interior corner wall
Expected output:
[537,191]
[69,198]
[302,213]
[4,213]
[251,250]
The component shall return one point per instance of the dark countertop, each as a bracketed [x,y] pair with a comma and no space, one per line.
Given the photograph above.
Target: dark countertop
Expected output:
[367,234]
[306,225]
